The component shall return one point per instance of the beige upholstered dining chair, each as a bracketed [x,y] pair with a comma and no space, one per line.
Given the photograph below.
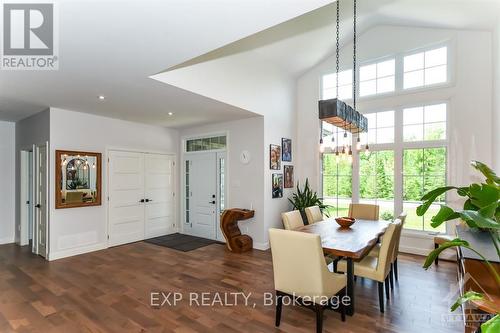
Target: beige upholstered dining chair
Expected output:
[364,211]
[292,220]
[394,261]
[314,214]
[377,268]
[300,270]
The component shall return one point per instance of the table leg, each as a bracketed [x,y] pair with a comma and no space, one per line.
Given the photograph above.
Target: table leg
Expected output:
[350,286]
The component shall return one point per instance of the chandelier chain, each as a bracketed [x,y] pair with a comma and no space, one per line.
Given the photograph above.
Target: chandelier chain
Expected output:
[354,59]
[337,48]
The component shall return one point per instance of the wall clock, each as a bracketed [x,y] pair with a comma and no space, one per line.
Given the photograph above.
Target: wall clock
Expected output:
[245,157]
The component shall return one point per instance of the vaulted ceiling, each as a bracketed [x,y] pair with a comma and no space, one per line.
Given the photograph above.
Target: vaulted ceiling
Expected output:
[112,48]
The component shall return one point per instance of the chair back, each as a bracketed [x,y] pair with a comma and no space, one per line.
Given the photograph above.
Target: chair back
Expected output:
[314,214]
[364,211]
[298,262]
[292,220]
[386,250]
[402,218]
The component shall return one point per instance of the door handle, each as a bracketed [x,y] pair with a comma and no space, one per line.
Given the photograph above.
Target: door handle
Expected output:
[38,206]
[141,201]
[149,200]
[212,202]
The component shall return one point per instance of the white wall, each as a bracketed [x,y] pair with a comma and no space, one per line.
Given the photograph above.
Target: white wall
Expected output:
[79,230]
[247,80]
[245,183]
[469,96]
[496,99]
[34,130]
[7,182]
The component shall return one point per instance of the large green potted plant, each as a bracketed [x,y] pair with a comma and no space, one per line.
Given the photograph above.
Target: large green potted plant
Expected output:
[481,211]
[304,198]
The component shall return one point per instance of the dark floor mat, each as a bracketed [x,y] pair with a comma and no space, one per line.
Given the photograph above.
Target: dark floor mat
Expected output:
[180,242]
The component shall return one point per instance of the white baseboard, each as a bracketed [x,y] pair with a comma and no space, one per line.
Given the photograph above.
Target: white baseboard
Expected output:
[261,246]
[77,251]
[7,240]
[446,255]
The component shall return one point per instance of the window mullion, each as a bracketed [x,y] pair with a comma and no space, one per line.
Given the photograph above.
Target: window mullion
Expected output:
[355,181]
[398,161]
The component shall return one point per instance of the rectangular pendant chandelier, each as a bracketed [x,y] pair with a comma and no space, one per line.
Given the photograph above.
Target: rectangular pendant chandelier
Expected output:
[340,114]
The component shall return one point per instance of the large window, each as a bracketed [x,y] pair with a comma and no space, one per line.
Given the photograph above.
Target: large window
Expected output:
[376,181]
[423,170]
[425,123]
[383,180]
[377,78]
[330,85]
[337,184]
[425,68]
[407,143]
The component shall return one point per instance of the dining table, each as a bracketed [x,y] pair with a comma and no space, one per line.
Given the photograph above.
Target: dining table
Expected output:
[352,244]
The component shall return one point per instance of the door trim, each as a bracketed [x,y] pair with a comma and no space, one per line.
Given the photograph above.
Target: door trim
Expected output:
[24,197]
[36,149]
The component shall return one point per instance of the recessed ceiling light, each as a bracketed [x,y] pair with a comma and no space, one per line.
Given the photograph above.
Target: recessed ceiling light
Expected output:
[170,113]
[101,97]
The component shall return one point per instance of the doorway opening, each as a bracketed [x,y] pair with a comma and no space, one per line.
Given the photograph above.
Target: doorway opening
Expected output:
[41,207]
[34,203]
[204,195]
[27,198]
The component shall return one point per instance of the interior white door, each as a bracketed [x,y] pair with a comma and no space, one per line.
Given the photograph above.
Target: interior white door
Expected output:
[203,202]
[41,200]
[24,198]
[159,195]
[126,197]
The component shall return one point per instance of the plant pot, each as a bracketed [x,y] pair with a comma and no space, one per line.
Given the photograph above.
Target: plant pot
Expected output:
[304,216]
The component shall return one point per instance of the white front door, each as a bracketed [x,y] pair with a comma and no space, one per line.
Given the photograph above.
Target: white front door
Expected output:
[41,215]
[202,196]
[126,197]
[159,195]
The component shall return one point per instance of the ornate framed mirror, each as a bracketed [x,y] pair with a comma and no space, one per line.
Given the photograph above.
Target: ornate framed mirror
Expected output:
[78,179]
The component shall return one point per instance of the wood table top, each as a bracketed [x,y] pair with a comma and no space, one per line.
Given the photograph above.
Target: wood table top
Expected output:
[354,242]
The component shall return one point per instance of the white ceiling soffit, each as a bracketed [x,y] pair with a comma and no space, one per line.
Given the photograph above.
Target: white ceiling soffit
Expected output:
[111,47]
[298,43]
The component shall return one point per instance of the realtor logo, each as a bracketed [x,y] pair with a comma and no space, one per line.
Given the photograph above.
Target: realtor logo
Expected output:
[29,36]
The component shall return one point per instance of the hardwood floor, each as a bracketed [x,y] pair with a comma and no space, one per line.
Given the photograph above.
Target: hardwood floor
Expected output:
[109,291]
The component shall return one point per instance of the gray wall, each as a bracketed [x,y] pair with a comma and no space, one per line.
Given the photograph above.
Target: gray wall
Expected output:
[30,131]
[7,184]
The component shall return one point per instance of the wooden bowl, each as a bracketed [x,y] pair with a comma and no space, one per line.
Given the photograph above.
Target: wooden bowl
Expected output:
[345,222]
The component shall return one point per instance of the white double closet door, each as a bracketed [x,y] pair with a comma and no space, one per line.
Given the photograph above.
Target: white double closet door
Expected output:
[141,196]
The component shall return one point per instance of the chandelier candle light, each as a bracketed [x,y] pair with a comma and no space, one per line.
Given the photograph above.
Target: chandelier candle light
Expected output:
[340,114]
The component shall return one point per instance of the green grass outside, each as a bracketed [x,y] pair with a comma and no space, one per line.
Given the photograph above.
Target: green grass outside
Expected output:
[413,222]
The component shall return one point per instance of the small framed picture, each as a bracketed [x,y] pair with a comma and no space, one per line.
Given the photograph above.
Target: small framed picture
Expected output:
[277,182]
[286,150]
[288,171]
[275,157]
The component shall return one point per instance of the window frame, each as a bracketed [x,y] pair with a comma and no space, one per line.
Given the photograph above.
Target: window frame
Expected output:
[388,144]
[375,62]
[322,86]
[449,67]
[398,146]
[399,72]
